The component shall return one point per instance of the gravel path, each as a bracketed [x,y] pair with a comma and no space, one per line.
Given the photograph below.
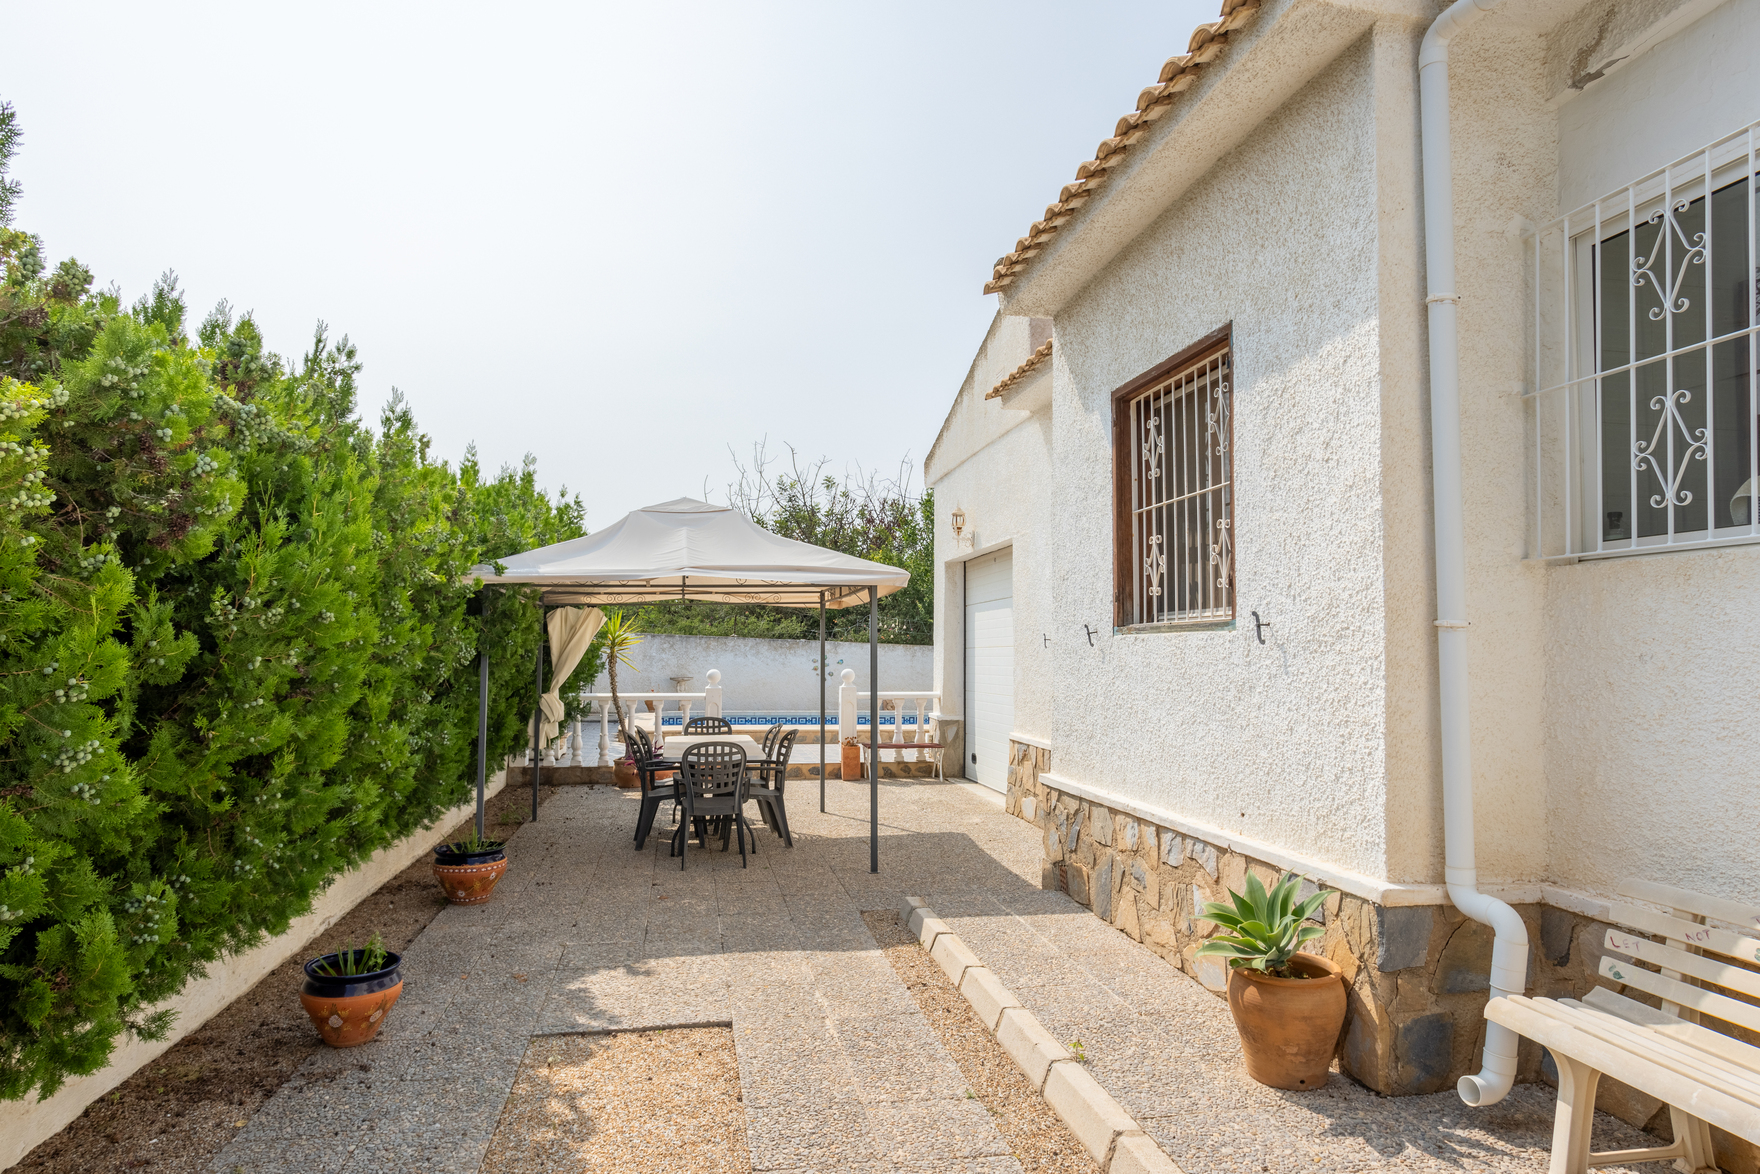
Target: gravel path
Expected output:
[839,1069]
[1167,1050]
[1042,1143]
[662,1102]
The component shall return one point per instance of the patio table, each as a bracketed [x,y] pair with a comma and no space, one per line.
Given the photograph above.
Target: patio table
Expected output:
[677,744]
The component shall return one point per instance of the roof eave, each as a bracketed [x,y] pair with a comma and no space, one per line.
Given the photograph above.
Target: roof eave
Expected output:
[1266,57]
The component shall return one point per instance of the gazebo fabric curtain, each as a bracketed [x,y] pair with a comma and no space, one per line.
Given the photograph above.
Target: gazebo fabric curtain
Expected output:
[571,630]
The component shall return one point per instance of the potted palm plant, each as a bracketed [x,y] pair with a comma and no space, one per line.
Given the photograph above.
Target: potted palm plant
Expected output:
[618,637]
[348,994]
[468,869]
[1288,1005]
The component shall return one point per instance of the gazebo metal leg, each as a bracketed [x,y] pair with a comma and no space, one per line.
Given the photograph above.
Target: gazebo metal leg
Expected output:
[538,713]
[822,673]
[482,734]
[874,728]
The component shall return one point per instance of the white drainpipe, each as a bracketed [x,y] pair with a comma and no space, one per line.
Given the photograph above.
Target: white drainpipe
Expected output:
[1509,955]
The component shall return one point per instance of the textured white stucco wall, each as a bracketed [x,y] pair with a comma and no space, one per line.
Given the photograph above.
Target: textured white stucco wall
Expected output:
[1695,86]
[1505,166]
[994,463]
[1603,695]
[1283,741]
[1652,751]
[765,676]
[1652,756]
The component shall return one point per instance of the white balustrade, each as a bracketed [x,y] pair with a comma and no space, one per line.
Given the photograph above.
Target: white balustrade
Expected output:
[921,707]
[846,705]
[712,695]
[686,701]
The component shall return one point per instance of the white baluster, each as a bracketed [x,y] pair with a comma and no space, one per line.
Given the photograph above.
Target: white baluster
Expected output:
[846,706]
[680,685]
[604,732]
[712,694]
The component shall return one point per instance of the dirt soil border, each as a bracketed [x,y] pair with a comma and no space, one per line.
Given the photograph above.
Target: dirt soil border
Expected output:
[176,1114]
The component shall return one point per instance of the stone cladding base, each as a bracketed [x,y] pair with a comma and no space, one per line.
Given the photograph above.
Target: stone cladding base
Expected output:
[1417,973]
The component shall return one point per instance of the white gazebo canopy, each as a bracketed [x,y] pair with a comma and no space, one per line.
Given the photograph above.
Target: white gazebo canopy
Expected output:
[692,550]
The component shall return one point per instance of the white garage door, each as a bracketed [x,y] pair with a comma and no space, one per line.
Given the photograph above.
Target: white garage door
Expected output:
[989,667]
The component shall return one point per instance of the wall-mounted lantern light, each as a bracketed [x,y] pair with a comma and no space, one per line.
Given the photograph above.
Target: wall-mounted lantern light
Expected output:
[959,521]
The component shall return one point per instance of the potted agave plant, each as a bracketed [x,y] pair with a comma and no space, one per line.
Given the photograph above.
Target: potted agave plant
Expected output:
[467,869]
[349,993]
[1288,1005]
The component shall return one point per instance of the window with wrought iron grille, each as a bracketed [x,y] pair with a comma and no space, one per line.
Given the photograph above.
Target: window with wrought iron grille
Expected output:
[1644,407]
[1174,510]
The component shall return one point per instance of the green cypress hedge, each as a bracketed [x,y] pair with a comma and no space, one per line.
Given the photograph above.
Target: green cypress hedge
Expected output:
[235,657]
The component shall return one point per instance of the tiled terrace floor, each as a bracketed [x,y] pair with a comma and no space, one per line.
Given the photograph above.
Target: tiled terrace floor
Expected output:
[839,1069]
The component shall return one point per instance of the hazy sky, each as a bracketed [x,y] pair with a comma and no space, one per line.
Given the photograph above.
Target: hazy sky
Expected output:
[620,237]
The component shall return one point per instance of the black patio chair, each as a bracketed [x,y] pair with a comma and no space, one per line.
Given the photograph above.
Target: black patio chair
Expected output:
[767,777]
[712,776]
[708,725]
[772,736]
[655,792]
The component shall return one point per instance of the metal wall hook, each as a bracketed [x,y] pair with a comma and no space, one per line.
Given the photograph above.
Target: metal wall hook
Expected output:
[1259,626]
[1092,632]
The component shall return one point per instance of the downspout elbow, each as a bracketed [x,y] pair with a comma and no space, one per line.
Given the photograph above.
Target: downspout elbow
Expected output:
[1434,49]
[1509,976]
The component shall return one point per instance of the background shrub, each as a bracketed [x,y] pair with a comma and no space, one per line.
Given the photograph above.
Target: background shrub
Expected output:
[235,657]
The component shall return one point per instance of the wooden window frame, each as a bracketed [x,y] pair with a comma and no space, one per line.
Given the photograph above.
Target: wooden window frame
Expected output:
[1123,568]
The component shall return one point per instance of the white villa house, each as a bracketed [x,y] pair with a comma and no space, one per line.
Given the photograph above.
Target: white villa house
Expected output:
[1220,592]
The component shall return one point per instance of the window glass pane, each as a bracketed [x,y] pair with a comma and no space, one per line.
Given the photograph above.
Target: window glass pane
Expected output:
[1675,417]
[1180,525]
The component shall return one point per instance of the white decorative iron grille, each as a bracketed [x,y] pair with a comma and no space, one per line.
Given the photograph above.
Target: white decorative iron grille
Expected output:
[1182,497]
[1644,403]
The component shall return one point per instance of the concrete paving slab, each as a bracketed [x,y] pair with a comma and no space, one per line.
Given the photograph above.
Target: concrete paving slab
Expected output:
[917,1133]
[838,1069]
[832,1137]
[897,1058]
[282,1156]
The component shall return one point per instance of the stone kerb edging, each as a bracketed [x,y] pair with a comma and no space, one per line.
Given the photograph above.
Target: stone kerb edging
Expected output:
[1099,1122]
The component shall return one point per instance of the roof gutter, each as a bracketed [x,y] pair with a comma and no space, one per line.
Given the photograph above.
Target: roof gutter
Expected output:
[1509,955]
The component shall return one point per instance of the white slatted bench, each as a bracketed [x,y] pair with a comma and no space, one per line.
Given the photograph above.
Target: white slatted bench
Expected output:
[935,743]
[1702,1075]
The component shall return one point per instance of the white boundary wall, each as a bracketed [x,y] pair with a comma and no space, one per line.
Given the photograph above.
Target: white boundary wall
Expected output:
[27,1123]
[766,676]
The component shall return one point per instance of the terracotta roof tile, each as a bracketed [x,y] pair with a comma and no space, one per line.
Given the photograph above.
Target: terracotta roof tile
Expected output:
[1022,371]
[1178,74]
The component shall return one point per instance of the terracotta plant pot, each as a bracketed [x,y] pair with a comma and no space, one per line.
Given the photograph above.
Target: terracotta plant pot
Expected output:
[468,877]
[852,763]
[349,1011]
[1289,1026]
[624,774]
